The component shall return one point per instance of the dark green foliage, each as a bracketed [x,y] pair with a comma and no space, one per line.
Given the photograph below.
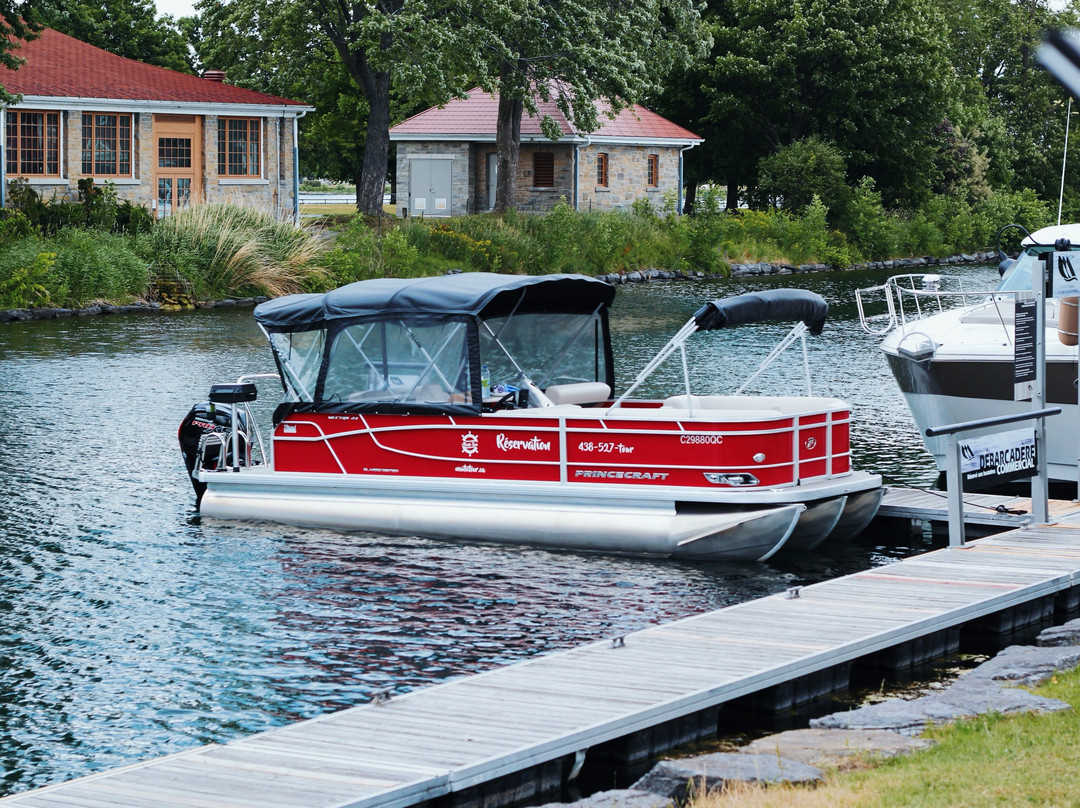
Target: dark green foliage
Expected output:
[129,28]
[97,208]
[793,175]
[71,268]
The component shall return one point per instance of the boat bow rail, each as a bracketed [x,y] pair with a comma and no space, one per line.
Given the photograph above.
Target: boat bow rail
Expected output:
[912,297]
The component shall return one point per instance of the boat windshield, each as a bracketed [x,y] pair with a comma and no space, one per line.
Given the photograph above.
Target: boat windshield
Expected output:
[547,348]
[1018,277]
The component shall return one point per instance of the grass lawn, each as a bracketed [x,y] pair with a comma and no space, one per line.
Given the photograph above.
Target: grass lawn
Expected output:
[338,210]
[1024,760]
[327,210]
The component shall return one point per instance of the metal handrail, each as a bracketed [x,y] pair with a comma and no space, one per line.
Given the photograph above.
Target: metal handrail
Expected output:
[997,420]
[899,289]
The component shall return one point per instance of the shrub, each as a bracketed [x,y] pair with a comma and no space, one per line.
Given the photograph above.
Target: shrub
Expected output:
[91,265]
[72,268]
[866,223]
[24,285]
[795,174]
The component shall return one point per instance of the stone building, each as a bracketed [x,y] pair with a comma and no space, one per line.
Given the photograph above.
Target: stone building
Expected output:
[164,139]
[446,160]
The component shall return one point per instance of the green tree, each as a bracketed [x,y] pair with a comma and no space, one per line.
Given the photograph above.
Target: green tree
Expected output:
[872,76]
[1012,109]
[18,22]
[129,28]
[278,47]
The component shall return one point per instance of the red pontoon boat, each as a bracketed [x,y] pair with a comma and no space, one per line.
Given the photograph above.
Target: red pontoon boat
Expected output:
[479,407]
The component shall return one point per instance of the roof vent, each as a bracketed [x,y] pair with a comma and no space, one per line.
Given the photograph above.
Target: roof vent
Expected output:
[214,75]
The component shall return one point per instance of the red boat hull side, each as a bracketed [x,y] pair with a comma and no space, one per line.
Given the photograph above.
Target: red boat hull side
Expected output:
[777,451]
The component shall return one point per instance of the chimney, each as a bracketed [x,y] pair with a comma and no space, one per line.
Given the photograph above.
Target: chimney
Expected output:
[214,75]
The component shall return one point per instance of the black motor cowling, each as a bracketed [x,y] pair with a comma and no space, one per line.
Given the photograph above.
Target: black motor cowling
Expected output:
[203,419]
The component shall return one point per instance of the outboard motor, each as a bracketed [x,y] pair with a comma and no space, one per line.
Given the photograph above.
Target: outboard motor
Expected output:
[214,417]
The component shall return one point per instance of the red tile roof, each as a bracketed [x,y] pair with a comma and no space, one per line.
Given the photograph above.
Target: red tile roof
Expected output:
[59,65]
[476,116]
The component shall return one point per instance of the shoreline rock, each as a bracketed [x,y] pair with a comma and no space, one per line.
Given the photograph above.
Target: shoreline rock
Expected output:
[764,268]
[98,309]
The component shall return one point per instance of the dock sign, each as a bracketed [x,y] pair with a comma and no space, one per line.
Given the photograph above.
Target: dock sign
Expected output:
[989,460]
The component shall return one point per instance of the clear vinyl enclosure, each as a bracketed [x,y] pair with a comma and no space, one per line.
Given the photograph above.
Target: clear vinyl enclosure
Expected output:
[440,360]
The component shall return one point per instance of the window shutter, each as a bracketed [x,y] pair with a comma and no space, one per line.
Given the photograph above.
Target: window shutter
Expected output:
[543,170]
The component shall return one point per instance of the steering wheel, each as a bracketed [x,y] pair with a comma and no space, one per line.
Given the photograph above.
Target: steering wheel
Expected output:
[507,402]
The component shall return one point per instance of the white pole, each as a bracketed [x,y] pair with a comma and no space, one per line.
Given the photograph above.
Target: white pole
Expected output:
[1064,154]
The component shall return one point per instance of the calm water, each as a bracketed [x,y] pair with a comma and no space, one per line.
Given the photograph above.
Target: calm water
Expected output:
[131,629]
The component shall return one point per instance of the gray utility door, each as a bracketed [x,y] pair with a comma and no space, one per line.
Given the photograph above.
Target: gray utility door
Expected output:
[429,187]
[492,178]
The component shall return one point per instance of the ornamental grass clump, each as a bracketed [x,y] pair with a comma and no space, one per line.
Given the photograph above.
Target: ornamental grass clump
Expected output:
[223,250]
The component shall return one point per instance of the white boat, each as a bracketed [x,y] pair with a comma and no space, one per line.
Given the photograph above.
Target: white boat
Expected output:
[950,347]
[479,407]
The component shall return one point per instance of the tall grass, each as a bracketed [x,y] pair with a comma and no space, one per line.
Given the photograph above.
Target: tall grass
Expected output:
[563,240]
[221,250]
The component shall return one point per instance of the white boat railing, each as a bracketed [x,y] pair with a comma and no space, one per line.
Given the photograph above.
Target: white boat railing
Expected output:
[910,298]
[232,441]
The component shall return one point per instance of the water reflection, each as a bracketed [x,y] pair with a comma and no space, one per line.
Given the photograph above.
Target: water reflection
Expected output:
[131,628]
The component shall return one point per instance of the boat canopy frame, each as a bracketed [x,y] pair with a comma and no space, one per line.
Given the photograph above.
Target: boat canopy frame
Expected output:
[768,305]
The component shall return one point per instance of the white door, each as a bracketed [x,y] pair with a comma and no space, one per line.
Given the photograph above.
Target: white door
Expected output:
[429,187]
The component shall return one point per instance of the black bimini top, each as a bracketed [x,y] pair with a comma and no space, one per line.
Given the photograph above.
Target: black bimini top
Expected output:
[483,294]
[770,304]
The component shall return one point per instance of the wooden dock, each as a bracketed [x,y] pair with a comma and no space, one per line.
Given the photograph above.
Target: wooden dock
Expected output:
[985,510]
[440,741]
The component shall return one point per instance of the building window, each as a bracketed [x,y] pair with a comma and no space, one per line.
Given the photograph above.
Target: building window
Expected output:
[543,170]
[106,144]
[174,152]
[653,170]
[33,143]
[239,147]
[601,169]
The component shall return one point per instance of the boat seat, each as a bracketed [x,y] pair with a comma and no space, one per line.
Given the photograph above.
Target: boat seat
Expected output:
[578,393]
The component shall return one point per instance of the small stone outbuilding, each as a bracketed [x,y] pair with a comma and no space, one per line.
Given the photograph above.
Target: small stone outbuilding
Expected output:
[163,138]
[446,160]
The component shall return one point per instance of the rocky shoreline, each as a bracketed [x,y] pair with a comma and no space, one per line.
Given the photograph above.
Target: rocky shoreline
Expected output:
[763,268]
[615,278]
[880,730]
[98,309]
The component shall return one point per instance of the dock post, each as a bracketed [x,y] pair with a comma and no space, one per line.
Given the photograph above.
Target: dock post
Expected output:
[955,485]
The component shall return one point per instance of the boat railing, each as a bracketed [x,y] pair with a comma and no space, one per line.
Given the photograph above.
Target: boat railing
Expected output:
[912,297]
[241,431]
